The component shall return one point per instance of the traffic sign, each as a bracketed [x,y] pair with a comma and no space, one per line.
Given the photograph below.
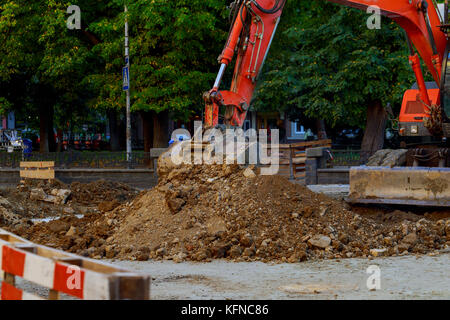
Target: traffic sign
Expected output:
[126,78]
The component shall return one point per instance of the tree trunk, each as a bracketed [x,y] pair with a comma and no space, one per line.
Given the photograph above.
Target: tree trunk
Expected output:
[161,129]
[43,130]
[321,130]
[60,140]
[51,133]
[113,130]
[147,123]
[47,136]
[375,130]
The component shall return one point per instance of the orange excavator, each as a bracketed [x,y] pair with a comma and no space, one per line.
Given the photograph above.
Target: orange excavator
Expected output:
[254,27]
[425,111]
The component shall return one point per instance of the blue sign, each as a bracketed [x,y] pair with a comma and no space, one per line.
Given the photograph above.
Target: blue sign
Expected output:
[126,78]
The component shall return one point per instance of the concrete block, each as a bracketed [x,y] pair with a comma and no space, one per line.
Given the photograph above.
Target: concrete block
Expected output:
[315,152]
[156,152]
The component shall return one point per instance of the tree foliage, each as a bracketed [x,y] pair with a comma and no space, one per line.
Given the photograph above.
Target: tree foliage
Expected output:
[173,45]
[325,63]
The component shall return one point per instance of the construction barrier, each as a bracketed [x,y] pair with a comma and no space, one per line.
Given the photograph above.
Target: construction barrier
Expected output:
[297,163]
[37,170]
[293,158]
[61,272]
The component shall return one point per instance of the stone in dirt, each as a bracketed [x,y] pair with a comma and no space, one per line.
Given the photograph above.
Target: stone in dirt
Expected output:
[216,226]
[175,205]
[410,239]
[37,194]
[61,195]
[59,226]
[378,252]
[69,210]
[249,173]
[72,231]
[320,241]
[107,206]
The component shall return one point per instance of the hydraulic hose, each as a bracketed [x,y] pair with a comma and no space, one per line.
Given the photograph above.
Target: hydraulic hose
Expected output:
[277,7]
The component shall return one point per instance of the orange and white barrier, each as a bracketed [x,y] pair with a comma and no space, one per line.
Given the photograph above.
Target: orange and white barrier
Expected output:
[63,273]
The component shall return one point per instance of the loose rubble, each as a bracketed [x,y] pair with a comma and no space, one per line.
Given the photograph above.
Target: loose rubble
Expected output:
[38,200]
[200,213]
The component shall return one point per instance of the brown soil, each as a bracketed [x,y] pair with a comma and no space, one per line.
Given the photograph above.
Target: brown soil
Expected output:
[100,191]
[202,213]
[83,198]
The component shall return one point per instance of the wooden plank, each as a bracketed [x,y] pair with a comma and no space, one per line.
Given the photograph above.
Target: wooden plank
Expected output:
[133,287]
[38,174]
[312,143]
[26,247]
[37,170]
[4,237]
[53,295]
[10,279]
[72,261]
[37,164]
[301,160]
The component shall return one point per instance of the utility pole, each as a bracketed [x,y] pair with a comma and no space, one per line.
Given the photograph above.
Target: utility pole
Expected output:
[127,87]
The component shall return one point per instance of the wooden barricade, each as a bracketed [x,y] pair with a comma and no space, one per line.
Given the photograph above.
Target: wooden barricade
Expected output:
[298,157]
[37,170]
[293,158]
[61,272]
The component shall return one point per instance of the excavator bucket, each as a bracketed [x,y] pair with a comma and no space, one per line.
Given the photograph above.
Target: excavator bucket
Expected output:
[400,185]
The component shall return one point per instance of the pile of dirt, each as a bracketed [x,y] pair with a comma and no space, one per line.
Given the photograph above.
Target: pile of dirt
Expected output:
[41,199]
[97,192]
[199,213]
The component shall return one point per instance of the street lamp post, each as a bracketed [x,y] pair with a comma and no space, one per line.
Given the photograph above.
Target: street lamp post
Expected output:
[127,88]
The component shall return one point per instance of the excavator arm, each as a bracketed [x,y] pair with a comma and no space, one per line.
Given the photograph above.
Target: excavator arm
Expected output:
[420,20]
[251,35]
[254,26]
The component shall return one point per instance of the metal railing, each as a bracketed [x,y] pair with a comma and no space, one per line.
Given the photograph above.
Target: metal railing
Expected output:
[346,158]
[81,160]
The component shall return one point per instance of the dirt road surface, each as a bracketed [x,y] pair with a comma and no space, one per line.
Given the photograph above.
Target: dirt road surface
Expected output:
[409,277]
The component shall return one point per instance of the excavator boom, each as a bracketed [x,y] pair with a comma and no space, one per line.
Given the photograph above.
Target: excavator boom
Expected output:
[252,32]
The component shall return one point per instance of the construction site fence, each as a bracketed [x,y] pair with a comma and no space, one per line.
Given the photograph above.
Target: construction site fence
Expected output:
[346,158]
[293,158]
[82,160]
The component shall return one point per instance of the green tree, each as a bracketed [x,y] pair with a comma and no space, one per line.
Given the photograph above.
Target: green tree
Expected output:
[173,50]
[42,64]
